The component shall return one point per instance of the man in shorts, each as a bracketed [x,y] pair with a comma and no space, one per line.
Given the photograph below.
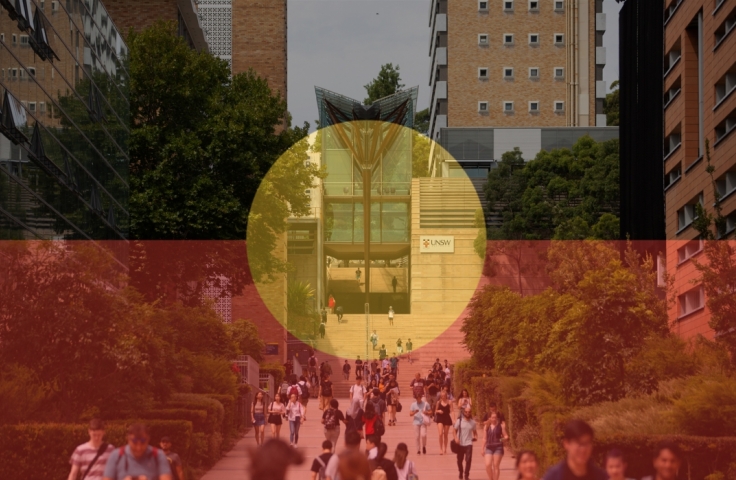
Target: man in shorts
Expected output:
[138,458]
[90,457]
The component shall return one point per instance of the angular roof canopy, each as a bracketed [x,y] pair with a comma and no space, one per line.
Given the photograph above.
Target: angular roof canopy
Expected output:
[397,108]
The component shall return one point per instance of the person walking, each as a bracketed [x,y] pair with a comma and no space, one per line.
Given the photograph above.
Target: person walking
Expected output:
[331,303]
[578,444]
[399,348]
[357,275]
[346,370]
[394,362]
[392,401]
[374,339]
[323,315]
[666,462]
[358,367]
[322,326]
[296,414]
[616,465]
[383,463]
[325,392]
[390,315]
[382,354]
[404,466]
[394,283]
[417,386]
[320,462]
[357,390]
[89,458]
[138,459]
[493,448]
[409,347]
[258,417]
[465,434]
[420,411]
[443,417]
[527,465]
[339,312]
[177,471]
[275,411]
[464,400]
[331,419]
[337,468]
[370,417]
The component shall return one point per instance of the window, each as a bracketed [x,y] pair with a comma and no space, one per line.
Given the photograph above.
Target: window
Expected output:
[725,28]
[559,106]
[533,5]
[14,74]
[54,6]
[534,39]
[482,107]
[559,6]
[483,6]
[690,249]
[726,184]
[15,39]
[24,40]
[559,39]
[687,213]
[42,107]
[483,39]
[2,37]
[673,176]
[534,73]
[730,225]
[534,107]
[725,85]
[508,73]
[508,38]
[672,93]
[32,107]
[32,71]
[671,143]
[672,58]
[3,73]
[508,5]
[21,73]
[508,107]
[559,73]
[670,10]
[483,73]
[725,127]
[43,4]
[691,301]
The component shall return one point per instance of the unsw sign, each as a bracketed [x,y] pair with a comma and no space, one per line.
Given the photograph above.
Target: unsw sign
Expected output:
[436,244]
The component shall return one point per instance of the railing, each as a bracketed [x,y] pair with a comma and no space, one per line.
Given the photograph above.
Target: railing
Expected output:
[248,370]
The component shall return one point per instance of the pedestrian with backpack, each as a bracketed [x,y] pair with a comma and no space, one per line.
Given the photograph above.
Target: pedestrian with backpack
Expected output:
[177,472]
[137,459]
[405,468]
[382,467]
[320,462]
[325,392]
[304,387]
[89,458]
[331,419]
[276,410]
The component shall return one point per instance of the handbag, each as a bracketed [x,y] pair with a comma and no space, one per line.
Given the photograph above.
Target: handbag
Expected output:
[273,417]
[399,407]
[412,474]
[426,419]
[454,446]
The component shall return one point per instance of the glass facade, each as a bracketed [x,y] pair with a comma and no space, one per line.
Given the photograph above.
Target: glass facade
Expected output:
[65,122]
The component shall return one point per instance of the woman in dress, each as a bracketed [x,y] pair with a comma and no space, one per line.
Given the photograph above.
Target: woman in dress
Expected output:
[392,400]
[258,417]
[404,467]
[296,414]
[464,400]
[443,417]
[493,449]
[275,411]
[527,465]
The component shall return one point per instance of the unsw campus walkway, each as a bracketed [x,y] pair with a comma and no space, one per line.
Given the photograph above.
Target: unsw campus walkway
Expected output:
[431,466]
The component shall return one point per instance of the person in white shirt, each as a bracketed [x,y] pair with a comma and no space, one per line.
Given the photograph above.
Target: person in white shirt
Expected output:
[296,414]
[404,466]
[371,446]
[357,390]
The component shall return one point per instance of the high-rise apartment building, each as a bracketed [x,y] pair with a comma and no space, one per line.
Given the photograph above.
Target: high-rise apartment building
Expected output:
[516,63]
[699,80]
[64,123]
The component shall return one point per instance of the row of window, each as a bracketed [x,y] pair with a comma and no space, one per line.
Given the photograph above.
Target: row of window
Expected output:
[18,73]
[534,106]
[532,5]
[688,213]
[534,73]
[533,38]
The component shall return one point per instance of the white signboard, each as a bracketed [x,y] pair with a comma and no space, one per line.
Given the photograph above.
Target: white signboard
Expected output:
[436,244]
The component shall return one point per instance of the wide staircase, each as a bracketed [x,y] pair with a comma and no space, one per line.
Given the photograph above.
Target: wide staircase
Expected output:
[348,339]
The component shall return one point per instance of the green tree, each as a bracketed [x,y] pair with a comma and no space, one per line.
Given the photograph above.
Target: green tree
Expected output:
[386,83]
[421,121]
[247,340]
[611,106]
[302,316]
[420,156]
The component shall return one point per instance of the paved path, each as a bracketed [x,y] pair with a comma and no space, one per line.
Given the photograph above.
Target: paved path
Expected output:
[432,466]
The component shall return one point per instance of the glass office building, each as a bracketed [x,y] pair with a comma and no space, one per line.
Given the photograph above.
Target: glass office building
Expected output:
[65,122]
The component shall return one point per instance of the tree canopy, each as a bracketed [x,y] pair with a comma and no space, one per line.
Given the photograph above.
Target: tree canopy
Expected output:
[563,194]
[386,83]
[611,106]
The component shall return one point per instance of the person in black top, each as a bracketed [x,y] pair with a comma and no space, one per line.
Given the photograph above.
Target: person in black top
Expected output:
[320,463]
[358,368]
[384,463]
[346,370]
[331,419]
[432,391]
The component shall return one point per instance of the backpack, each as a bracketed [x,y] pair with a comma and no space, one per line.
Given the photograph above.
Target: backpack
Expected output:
[312,362]
[174,472]
[379,428]
[305,391]
[327,390]
[379,474]
[294,390]
[330,419]
[322,466]
[284,388]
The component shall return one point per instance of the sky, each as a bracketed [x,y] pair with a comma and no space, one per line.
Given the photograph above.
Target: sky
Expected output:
[341,44]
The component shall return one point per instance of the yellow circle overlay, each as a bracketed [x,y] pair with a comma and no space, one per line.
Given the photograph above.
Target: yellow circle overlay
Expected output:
[425,223]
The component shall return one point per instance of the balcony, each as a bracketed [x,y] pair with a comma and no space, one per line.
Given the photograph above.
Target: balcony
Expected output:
[600,22]
[600,89]
[600,55]
[439,58]
[440,25]
[440,91]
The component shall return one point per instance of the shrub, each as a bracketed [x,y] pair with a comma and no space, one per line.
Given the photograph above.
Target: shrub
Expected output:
[194,401]
[276,370]
[703,455]
[20,445]
[463,373]
[228,405]
[197,417]
[707,406]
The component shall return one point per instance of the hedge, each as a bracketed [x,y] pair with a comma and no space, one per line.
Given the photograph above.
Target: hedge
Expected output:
[230,427]
[276,370]
[703,455]
[462,375]
[43,450]
[193,401]
[197,417]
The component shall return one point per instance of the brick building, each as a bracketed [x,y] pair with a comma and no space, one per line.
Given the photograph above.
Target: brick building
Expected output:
[516,63]
[699,105]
